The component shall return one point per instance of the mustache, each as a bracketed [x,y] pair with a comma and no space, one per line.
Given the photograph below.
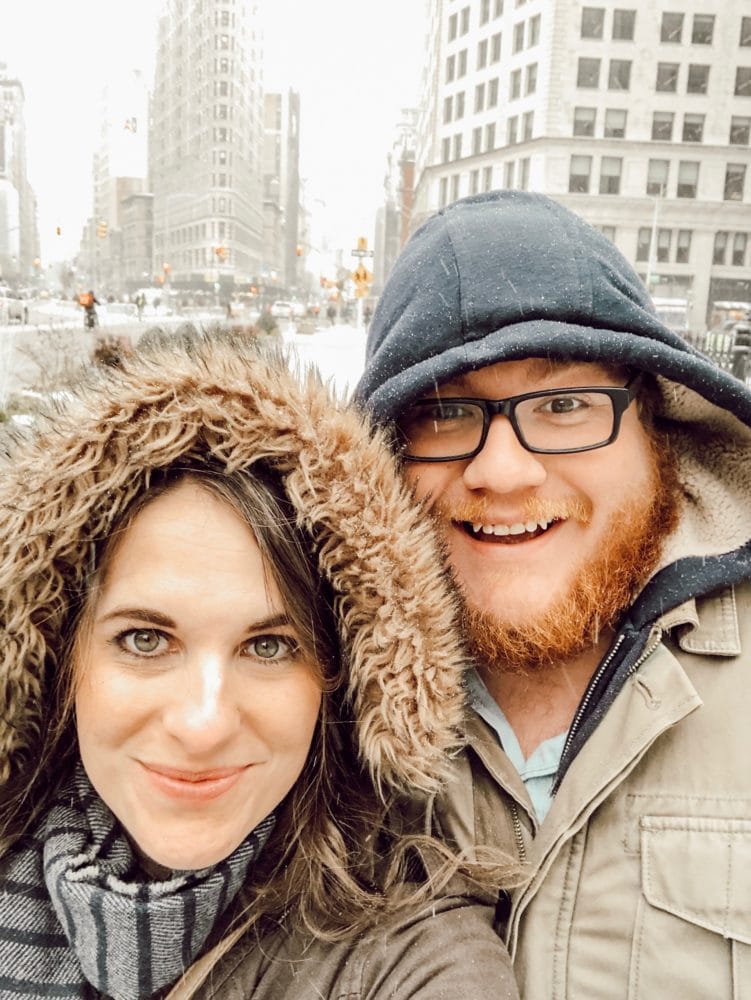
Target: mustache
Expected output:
[533,509]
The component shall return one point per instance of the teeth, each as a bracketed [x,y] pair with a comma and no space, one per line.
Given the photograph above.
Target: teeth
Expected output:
[519,528]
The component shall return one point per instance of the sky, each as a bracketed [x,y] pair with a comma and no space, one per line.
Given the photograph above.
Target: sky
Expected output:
[355,66]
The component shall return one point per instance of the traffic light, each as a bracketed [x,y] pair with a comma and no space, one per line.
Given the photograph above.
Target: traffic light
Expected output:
[58,230]
[101,229]
[221,252]
[362,243]
[298,250]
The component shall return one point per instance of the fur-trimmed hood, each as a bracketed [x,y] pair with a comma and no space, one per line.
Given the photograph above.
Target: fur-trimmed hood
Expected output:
[63,485]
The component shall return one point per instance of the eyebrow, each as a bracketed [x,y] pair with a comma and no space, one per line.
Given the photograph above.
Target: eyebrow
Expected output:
[164,621]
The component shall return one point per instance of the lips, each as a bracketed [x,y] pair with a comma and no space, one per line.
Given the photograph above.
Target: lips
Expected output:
[195,786]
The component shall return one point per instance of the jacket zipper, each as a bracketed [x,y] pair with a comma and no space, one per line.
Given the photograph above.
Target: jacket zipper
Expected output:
[648,650]
[588,696]
[518,832]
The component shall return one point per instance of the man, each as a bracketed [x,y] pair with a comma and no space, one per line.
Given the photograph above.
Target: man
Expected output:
[591,475]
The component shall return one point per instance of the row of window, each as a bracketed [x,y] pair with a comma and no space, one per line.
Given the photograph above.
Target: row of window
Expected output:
[658,171]
[522,80]
[519,128]
[730,248]
[614,125]
[669,245]
[458,23]
[489,49]
[666,80]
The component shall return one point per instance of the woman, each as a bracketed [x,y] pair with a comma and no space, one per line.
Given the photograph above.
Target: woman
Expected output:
[228,673]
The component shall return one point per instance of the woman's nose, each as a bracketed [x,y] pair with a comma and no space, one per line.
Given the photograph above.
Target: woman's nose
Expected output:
[203,713]
[504,465]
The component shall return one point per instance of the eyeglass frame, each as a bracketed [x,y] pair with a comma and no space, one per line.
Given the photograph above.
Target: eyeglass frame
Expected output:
[621,397]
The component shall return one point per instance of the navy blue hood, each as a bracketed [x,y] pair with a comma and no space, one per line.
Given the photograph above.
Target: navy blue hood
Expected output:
[508,275]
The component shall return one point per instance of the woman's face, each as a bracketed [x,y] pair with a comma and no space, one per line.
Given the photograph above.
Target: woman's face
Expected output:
[195,708]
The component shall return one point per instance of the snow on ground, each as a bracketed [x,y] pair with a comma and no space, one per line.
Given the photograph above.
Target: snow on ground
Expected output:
[337,351]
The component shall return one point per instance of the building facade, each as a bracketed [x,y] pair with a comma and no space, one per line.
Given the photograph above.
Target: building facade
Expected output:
[283,239]
[636,115]
[205,145]
[394,217]
[19,236]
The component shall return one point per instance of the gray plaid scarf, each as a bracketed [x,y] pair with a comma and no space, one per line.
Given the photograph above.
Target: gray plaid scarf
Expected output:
[76,911]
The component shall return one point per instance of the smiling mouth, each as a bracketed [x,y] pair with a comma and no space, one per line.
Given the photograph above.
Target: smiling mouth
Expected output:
[507,534]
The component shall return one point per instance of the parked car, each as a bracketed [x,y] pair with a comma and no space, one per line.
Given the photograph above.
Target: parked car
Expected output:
[298,309]
[281,309]
[13,308]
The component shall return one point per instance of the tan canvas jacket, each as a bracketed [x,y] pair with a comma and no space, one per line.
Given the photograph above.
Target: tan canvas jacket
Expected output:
[639,878]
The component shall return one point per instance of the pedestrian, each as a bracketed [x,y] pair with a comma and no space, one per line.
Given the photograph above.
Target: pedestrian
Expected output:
[589,471]
[216,670]
[89,302]
[331,313]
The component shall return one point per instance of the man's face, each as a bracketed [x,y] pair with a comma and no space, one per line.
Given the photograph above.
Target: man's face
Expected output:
[525,532]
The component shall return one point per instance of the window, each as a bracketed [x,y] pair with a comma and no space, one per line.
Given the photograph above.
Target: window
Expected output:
[453,21]
[476,140]
[698,79]
[524,174]
[474,181]
[619,74]
[671,28]
[610,175]
[688,179]
[490,136]
[683,246]
[578,176]
[480,97]
[445,150]
[495,47]
[584,121]
[508,174]
[743,81]
[484,11]
[693,128]
[533,36]
[443,196]
[735,175]
[662,125]
[512,127]
[643,242]
[464,21]
[593,22]
[615,123]
[745,39]
[487,178]
[588,73]
[447,108]
[530,81]
[493,93]
[527,125]
[458,146]
[450,68]
[498,8]
[623,25]
[518,43]
[740,130]
[667,78]
[462,65]
[608,232]
[664,237]
[516,84]
[459,106]
[739,250]
[702,29]
[454,186]
[720,247]
[482,54]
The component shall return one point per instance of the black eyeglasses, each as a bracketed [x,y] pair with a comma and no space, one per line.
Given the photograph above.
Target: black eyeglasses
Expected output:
[549,422]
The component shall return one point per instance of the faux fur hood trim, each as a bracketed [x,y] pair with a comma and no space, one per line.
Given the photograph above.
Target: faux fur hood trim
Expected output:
[62,487]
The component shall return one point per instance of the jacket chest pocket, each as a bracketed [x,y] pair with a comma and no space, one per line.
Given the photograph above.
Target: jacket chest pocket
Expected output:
[692,937]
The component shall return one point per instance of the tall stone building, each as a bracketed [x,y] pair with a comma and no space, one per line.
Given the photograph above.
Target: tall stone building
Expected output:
[635,114]
[394,216]
[281,191]
[19,236]
[205,145]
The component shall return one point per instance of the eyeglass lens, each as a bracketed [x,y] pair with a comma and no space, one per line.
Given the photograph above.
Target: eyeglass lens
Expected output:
[557,421]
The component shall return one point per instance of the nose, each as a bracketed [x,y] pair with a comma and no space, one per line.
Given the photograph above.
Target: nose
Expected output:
[504,465]
[202,713]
